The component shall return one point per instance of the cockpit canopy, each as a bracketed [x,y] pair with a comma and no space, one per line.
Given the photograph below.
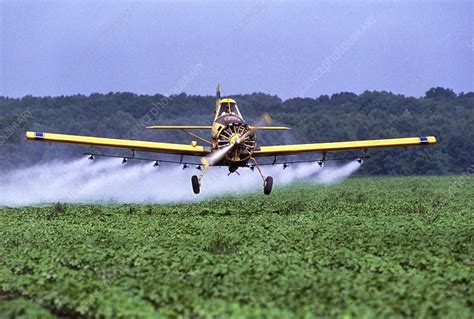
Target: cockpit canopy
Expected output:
[228,106]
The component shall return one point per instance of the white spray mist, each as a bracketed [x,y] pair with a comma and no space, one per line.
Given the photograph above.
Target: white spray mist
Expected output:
[334,174]
[108,181]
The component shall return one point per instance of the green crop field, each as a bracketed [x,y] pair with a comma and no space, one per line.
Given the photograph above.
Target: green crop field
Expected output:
[365,248]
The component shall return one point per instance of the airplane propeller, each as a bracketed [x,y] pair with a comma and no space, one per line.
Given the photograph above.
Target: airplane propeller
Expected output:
[218,155]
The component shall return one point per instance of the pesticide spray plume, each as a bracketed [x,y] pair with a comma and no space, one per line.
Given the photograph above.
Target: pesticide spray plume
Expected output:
[331,175]
[106,181]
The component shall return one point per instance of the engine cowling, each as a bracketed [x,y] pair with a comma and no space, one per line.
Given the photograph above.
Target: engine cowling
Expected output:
[243,148]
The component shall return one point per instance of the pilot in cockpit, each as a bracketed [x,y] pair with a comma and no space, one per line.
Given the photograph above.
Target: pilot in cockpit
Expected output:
[228,106]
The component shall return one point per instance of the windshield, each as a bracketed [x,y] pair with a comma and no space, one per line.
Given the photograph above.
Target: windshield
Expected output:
[228,108]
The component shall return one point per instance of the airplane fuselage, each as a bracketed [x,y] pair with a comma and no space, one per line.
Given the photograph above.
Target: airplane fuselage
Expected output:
[232,135]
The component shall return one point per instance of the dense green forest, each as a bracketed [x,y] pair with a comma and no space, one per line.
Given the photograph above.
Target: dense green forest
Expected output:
[342,116]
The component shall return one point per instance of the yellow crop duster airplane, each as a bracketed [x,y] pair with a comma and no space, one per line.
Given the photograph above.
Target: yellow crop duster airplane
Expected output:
[233,144]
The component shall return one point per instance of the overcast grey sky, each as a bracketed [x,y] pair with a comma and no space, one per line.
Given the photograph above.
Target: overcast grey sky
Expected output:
[285,48]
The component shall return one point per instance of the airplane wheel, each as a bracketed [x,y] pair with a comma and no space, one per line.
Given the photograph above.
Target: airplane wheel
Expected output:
[196,186]
[267,185]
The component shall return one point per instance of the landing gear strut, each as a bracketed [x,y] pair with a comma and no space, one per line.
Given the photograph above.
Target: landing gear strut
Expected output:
[267,180]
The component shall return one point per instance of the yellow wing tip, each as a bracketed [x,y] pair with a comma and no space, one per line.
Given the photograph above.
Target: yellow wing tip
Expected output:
[30,135]
[432,140]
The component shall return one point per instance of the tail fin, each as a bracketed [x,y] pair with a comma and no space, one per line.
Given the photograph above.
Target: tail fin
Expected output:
[218,91]
[218,97]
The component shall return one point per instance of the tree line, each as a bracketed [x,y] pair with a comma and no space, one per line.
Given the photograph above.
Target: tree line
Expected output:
[339,117]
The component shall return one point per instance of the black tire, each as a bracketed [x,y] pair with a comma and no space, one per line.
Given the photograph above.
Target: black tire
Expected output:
[267,185]
[196,186]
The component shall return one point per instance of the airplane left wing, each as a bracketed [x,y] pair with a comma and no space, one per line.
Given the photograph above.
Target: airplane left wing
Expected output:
[170,148]
[343,146]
